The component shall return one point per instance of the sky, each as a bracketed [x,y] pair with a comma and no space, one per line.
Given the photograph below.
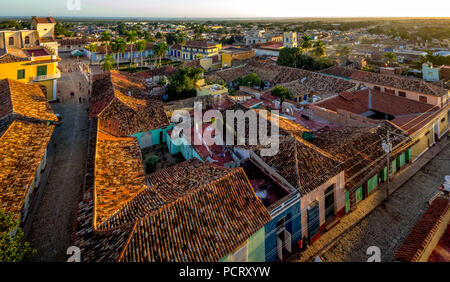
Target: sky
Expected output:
[225,8]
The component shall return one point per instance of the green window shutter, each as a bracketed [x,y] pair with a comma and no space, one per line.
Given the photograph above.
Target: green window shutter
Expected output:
[359,194]
[372,184]
[42,70]
[347,201]
[394,166]
[20,74]
[408,154]
[402,159]
[384,174]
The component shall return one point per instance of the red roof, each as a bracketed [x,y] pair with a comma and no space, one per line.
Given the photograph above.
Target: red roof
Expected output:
[44,20]
[422,233]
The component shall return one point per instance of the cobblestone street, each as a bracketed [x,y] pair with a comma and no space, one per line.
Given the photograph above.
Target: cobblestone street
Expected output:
[389,224]
[52,220]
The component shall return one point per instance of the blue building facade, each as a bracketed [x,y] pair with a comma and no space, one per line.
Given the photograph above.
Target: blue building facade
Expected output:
[284,231]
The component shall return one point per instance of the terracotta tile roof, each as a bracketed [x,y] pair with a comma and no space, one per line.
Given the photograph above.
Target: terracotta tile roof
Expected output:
[22,148]
[97,246]
[13,55]
[44,20]
[200,44]
[26,100]
[359,149]
[339,71]
[123,106]
[395,81]
[421,234]
[297,79]
[408,114]
[119,174]
[303,165]
[202,213]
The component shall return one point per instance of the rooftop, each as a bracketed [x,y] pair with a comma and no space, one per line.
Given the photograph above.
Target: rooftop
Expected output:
[44,19]
[422,233]
[22,148]
[297,79]
[395,81]
[405,113]
[123,105]
[26,100]
[189,212]
[359,149]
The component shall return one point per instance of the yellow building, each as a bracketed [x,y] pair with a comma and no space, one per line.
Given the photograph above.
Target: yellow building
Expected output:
[31,56]
[193,50]
[235,53]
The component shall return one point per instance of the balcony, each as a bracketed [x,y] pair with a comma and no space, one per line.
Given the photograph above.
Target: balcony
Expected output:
[47,76]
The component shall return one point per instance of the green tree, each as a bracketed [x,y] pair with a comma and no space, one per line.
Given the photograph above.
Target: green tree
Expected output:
[182,83]
[118,46]
[160,50]
[131,38]
[105,37]
[107,63]
[289,56]
[140,46]
[282,92]
[92,48]
[319,49]
[250,79]
[12,247]
[306,43]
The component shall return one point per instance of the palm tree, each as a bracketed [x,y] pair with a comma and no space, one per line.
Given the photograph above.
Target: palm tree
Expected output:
[131,38]
[107,63]
[118,46]
[160,50]
[140,46]
[92,48]
[106,38]
[319,48]
[306,43]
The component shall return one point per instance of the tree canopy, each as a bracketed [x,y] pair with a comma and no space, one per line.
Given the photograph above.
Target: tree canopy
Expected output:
[250,79]
[282,92]
[295,58]
[182,83]
[12,248]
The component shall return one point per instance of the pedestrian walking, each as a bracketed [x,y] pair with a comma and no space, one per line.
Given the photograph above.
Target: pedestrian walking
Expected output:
[79,100]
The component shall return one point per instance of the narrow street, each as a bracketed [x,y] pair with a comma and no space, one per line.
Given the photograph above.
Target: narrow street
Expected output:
[52,218]
[388,225]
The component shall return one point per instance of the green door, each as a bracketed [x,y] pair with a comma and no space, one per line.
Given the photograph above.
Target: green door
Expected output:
[359,194]
[42,70]
[347,201]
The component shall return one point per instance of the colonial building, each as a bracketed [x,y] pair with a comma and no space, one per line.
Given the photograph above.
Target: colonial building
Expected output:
[31,56]
[193,50]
